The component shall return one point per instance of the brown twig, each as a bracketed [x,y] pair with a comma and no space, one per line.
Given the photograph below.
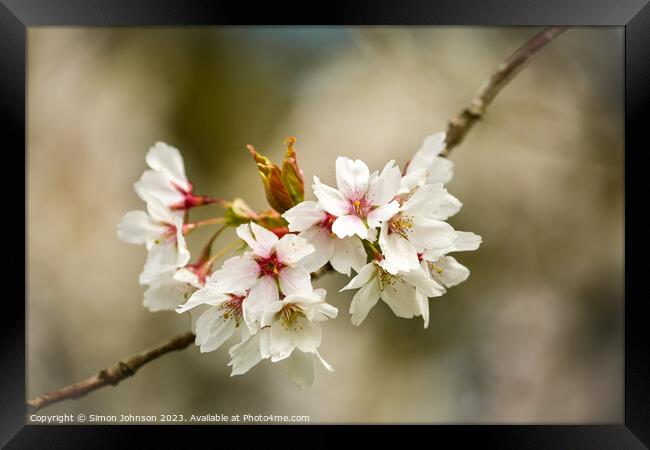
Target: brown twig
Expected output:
[112,375]
[458,128]
[463,122]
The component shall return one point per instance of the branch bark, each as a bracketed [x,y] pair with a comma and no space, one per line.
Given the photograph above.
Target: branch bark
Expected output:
[112,375]
[456,131]
[463,122]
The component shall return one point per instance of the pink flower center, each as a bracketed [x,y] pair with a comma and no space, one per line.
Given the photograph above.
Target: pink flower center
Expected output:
[270,265]
[168,236]
[327,222]
[360,207]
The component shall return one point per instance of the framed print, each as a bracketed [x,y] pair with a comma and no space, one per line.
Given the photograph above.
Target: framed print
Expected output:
[363,214]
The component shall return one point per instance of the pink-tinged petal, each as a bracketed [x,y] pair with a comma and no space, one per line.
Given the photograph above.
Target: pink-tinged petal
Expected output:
[348,253]
[137,228]
[349,226]
[366,273]
[245,355]
[323,244]
[330,199]
[237,273]
[385,187]
[291,249]
[295,280]
[300,369]
[304,215]
[168,161]
[363,301]
[382,214]
[351,177]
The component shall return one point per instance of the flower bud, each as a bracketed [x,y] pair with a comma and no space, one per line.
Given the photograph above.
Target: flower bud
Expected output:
[284,187]
[238,212]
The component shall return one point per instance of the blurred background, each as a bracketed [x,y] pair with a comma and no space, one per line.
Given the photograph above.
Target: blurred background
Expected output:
[534,335]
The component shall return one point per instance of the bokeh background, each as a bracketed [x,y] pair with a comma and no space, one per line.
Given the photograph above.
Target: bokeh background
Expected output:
[535,334]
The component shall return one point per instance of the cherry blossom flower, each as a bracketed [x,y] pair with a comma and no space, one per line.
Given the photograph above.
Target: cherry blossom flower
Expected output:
[362,199]
[162,233]
[427,166]
[272,263]
[315,225]
[417,226]
[166,180]
[169,289]
[293,322]
[405,293]
[445,269]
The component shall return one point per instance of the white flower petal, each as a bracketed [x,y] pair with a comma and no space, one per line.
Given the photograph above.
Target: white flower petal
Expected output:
[259,239]
[431,147]
[295,280]
[363,301]
[292,248]
[365,274]
[261,295]
[423,306]
[137,228]
[351,177]
[162,258]
[425,201]
[212,329]
[237,273]
[155,185]
[323,244]
[384,188]
[441,170]
[208,295]
[466,241]
[245,355]
[432,234]
[345,226]
[399,253]
[300,369]
[347,253]
[448,206]
[307,337]
[400,297]
[382,214]
[164,293]
[453,273]
[426,285]
[330,199]
[304,215]
[168,161]
[187,276]
[325,364]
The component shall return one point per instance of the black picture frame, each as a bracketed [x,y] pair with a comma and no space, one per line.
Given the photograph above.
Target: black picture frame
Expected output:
[633,15]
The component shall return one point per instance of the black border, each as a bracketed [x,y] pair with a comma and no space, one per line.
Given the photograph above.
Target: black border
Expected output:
[634,15]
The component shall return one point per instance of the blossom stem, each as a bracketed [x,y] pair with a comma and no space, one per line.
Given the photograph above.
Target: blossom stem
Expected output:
[222,252]
[188,227]
[111,375]
[463,122]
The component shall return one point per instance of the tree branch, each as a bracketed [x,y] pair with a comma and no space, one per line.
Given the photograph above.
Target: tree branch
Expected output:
[456,131]
[463,122]
[111,375]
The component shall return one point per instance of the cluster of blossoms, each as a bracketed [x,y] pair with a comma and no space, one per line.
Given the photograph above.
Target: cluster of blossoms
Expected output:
[388,227]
